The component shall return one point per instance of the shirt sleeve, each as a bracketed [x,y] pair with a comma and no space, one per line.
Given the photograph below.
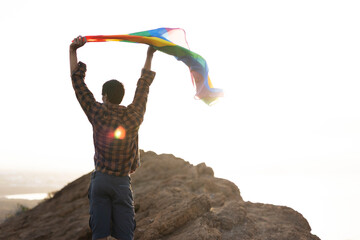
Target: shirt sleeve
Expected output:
[82,92]
[138,107]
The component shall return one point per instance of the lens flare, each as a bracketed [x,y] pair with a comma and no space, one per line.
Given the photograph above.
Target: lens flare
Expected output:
[120,133]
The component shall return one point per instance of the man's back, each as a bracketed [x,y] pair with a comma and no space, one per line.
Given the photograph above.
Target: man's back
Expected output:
[115,127]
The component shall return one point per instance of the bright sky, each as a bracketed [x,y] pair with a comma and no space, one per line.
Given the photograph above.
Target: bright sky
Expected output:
[289,70]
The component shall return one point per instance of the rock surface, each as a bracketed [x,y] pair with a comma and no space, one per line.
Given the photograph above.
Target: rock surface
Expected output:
[173,200]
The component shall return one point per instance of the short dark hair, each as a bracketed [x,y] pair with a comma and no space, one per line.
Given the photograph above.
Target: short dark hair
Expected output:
[114,90]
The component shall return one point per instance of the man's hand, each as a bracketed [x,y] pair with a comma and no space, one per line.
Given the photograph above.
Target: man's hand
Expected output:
[77,43]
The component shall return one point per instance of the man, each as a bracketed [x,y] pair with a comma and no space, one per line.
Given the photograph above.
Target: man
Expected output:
[115,133]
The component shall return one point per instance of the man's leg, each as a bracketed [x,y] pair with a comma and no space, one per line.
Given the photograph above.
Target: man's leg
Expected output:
[123,214]
[100,207]
[108,238]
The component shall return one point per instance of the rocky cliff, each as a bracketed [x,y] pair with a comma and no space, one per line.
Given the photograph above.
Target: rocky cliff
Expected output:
[173,200]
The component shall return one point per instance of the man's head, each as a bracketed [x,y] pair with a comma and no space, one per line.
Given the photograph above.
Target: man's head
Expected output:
[113,91]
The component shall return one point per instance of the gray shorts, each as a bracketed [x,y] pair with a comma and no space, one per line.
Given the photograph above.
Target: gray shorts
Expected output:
[111,207]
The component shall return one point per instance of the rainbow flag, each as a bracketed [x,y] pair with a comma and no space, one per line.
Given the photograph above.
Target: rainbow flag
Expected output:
[173,41]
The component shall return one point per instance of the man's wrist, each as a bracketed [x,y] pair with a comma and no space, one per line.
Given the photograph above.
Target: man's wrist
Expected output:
[73,49]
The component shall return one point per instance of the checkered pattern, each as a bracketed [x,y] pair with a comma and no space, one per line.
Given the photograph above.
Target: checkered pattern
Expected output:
[113,155]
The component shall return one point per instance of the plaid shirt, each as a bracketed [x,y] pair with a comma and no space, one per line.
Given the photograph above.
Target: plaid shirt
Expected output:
[115,127]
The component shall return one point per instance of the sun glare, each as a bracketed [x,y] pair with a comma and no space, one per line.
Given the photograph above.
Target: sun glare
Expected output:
[120,133]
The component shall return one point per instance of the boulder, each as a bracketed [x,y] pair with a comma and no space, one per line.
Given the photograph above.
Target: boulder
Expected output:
[173,200]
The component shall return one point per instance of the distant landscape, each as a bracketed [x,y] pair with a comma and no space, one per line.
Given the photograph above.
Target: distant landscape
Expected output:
[9,207]
[21,182]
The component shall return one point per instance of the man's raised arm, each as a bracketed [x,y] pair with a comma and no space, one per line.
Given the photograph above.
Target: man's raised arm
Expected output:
[78,70]
[138,106]
[77,43]
[149,57]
